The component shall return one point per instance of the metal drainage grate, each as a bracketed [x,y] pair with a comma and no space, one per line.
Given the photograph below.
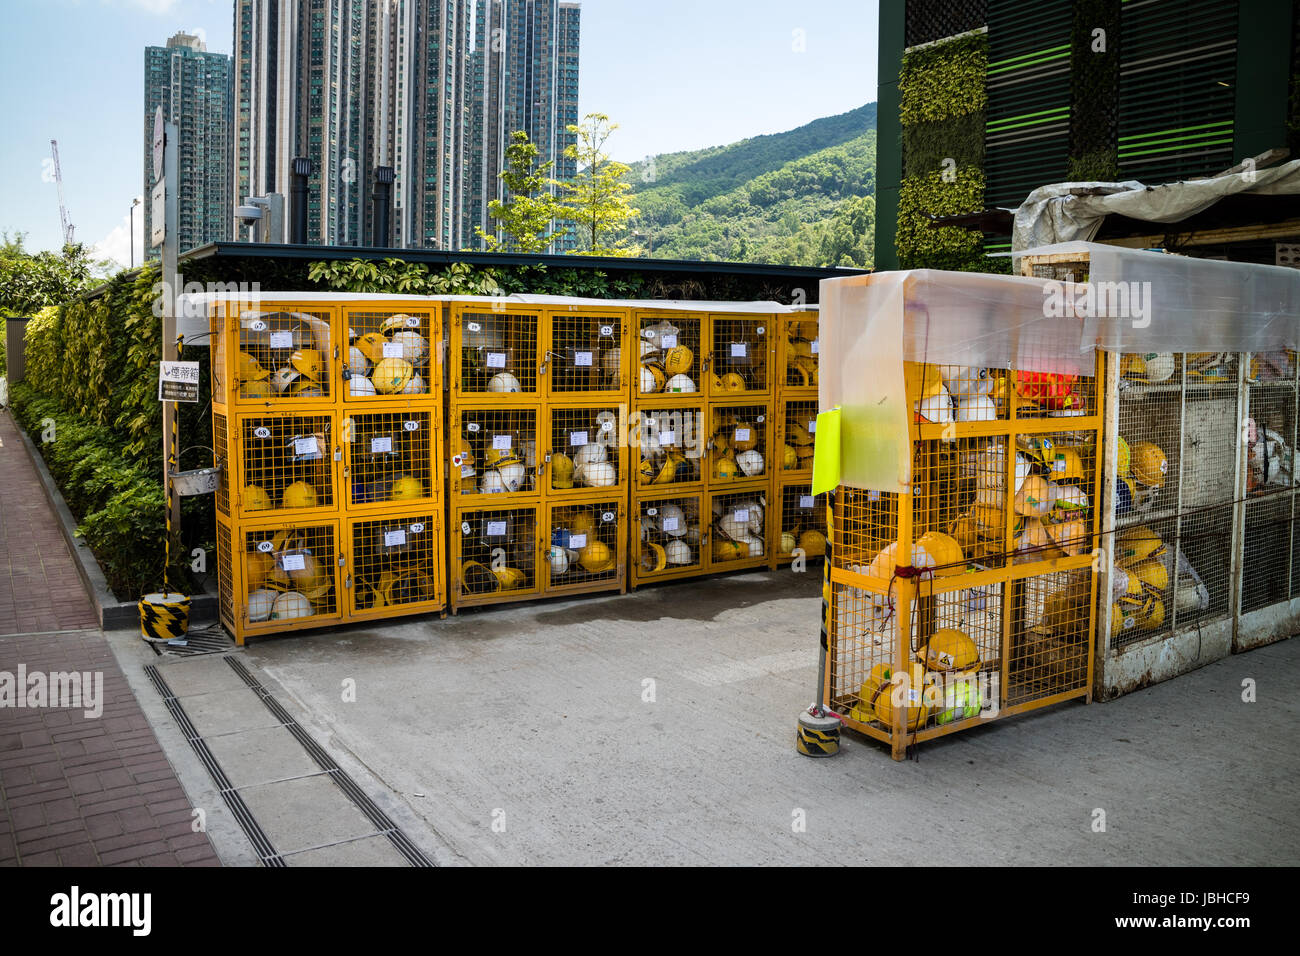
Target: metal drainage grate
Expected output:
[256,835]
[212,639]
[400,841]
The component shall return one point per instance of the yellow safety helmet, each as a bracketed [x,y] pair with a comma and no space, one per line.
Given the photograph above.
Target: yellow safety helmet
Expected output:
[733,382]
[789,459]
[391,375]
[1122,618]
[916,710]
[596,557]
[798,433]
[250,369]
[805,454]
[653,557]
[1153,615]
[725,467]
[299,495]
[409,586]
[922,381]
[1149,464]
[678,360]
[582,521]
[256,499]
[1065,464]
[257,569]
[561,470]
[653,377]
[1034,499]
[1136,545]
[946,551]
[259,388]
[746,429]
[1152,574]
[406,488]
[1065,610]
[398,322]
[510,578]
[309,362]
[863,709]
[372,346]
[1123,458]
[813,543]
[949,649]
[306,388]
[728,550]
[477,579]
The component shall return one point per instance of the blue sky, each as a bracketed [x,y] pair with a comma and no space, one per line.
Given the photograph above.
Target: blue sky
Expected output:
[676,74]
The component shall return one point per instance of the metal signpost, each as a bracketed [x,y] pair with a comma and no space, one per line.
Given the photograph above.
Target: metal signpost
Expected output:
[165,138]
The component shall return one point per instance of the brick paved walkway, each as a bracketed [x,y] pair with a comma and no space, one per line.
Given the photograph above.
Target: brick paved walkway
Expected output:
[39,586]
[74,790]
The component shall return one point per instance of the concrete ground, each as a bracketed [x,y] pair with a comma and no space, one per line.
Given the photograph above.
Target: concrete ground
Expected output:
[657,728]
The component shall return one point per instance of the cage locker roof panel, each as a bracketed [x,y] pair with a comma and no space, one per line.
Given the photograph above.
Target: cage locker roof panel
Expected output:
[198,301]
[871,324]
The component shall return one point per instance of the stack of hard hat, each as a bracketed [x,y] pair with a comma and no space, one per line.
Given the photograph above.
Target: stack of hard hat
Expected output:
[503,471]
[801,352]
[799,441]
[738,528]
[1270,459]
[1141,580]
[592,467]
[667,537]
[1051,391]
[1147,368]
[1137,490]
[931,403]
[1211,368]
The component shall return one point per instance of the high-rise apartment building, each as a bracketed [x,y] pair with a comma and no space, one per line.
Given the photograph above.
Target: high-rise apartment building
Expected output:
[193,88]
[429,88]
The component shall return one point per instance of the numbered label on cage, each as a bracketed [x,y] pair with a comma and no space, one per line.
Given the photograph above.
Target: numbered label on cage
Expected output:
[812,426]
[582,359]
[806,502]
[577,439]
[282,340]
[293,562]
[607,516]
[670,523]
[261,431]
[500,442]
[607,331]
[815,346]
[473,326]
[577,541]
[412,322]
[739,350]
[416,527]
[496,529]
[471,427]
[496,360]
[464,527]
[381,446]
[394,539]
[607,426]
[652,512]
[257,325]
[266,547]
[411,426]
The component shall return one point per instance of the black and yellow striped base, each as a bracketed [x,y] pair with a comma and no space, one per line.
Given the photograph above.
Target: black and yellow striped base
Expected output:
[164,615]
[818,736]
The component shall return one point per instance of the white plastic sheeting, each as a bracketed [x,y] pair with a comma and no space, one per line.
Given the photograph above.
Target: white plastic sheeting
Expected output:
[871,324]
[1064,212]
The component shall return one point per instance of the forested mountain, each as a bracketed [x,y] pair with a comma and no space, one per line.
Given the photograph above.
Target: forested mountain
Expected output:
[803,197]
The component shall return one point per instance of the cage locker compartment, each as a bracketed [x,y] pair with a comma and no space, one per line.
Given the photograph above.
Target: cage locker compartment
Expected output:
[494,453]
[738,364]
[585,354]
[585,546]
[396,564]
[496,353]
[278,577]
[394,353]
[584,451]
[281,355]
[494,554]
[390,458]
[971,598]
[667,537]
[797,353]
[800,530]
[669,356]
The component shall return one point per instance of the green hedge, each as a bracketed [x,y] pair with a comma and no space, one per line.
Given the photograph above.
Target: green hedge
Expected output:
[923,246]
[942,81]
[92,369]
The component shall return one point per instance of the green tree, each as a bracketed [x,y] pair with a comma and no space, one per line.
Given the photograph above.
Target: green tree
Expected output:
[31,281]
[530,208]
[596,199]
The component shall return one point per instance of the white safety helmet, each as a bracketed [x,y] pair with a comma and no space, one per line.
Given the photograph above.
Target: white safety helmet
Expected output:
[750,462]
[260,603]
[976,408]
[415,386]
[413,346]
[512,475]
[590,452]
[963,381]
[672,520]
[290,604]
[678,552]
[357,361]
[678,383]
[597,474]
[359,386]
[504,382]
[559,559]
[937,408]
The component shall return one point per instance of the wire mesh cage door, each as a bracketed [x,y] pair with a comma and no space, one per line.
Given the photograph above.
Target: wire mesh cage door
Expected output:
[585,547]
[219,345]
[669,356]
[389,459]
[285,464]
[396,565]
[493,555]
[496,353]
[801,530]
[284,355]
[796,435]
[392,355]
[586,355]
[739,529]
[584,451]
[667,538]
[740,356]
[739,446]
[288,577]
[798,352]
[494,453]
[670,445]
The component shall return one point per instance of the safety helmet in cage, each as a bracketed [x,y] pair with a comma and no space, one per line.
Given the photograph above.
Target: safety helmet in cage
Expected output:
[1150,466]
[949,649]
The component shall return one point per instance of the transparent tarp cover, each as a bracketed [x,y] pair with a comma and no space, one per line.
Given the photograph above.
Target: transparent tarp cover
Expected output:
[871,324]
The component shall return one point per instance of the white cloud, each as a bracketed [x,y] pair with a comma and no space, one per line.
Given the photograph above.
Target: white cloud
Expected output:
[117,246]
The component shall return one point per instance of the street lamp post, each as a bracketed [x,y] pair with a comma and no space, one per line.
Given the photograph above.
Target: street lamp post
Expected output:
[134,202]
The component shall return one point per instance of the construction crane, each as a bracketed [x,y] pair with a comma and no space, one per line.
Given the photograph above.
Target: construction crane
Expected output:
[68,227]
